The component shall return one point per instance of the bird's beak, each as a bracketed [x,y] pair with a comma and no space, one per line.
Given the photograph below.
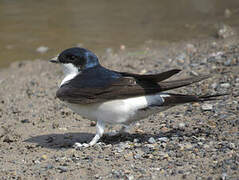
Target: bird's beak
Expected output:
[54,60]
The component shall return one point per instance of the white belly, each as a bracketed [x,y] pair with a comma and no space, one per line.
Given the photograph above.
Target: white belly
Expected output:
[119,111]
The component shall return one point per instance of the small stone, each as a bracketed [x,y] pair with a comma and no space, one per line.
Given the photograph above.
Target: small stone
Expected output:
[214,85]
[206,146]
[137,156]
[191,48]
[44,157]
[163,155]
[49,166]
[42,49]
[188,146]
[214,44]
[79,45]
[129,177]
[25,121]
[224,31]
[163,139]
[227,13]
[181,125]
[225,85]
[143,71]
[228,62]
[92,123]
[207,107]
[224,176]
[122,47]
[151,140]
[62,169]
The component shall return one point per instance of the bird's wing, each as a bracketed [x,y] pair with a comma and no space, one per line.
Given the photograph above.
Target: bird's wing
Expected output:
[152,77]
[93,88]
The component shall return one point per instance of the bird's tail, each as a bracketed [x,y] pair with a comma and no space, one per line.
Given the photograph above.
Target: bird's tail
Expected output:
[173,99]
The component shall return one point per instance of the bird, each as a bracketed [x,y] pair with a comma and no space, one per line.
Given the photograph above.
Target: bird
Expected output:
[112,97]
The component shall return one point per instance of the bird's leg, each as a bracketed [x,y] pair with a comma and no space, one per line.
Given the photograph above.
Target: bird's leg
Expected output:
[100,126]
[99,133]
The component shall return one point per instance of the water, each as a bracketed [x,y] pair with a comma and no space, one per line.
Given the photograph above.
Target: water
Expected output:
[58,24]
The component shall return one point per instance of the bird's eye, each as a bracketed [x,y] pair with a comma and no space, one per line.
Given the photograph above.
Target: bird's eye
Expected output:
[72,57]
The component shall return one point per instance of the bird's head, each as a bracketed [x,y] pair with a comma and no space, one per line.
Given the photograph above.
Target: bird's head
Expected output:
[76,59]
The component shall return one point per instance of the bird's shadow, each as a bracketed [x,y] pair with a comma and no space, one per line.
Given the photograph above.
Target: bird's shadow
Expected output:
[67,140]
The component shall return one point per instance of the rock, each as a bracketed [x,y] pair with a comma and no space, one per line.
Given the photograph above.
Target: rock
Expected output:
[137,156]
[225,85]
[224,176]
[163,155]
[62,169]
[227,13]
[224,31]
[181,126]
[191,48]
[44,157]
[188,146]
[129,177]
[42,49]
[207,107]
[214,85]
[151,140]
[228,62]
[25,121]
[49,166]
[92,123]
[122,47]
[163,139]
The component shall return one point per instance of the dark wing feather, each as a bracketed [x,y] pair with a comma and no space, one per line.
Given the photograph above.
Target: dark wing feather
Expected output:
[123,87]
[174,99]
[167,85]
[99,85]
[152,77]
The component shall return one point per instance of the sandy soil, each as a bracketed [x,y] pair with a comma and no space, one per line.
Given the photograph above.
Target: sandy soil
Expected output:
[192,141]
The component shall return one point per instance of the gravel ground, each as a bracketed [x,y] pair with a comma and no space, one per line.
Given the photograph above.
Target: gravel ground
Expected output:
[191,141]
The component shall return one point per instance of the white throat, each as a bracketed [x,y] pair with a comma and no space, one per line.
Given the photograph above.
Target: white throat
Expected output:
[70,71]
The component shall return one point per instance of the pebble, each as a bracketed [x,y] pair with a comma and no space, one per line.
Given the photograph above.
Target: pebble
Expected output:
[129,177]
[224,31]
[214,85]
[151,140]
[49,166]
[92,123]
[42,49]
[191,48]
[25,121]
[137,156]
[181,126]
[227,13]
[44,157]
[228,62]
[224,176]
[62,168]
[163,139]
[207,107]
[225,85]
[163,155]
[122,47]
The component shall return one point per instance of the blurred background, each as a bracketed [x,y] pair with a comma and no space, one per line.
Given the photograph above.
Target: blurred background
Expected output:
[31,29]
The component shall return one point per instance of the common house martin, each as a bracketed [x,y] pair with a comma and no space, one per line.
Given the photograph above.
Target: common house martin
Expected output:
[111,97]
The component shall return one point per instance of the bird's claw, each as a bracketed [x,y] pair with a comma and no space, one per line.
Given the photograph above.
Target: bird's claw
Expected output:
[80,145]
